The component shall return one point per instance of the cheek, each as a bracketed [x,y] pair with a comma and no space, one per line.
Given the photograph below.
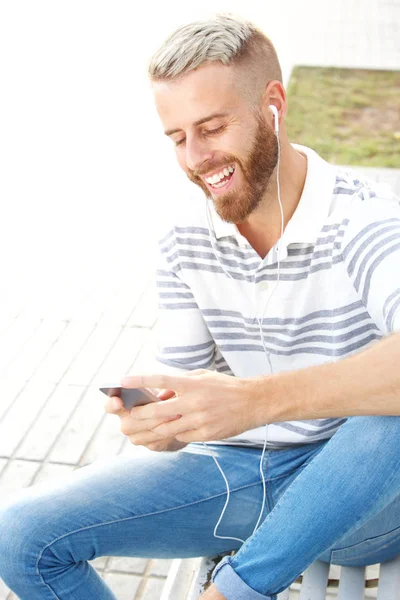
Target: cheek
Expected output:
[181,158]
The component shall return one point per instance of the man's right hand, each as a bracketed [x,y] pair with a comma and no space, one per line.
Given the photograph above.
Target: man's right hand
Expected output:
[140,431]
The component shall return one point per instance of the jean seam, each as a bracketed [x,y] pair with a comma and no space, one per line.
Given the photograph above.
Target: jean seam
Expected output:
[300,468]
[46,584]
[268,489]
[286,475]
[158,512]
[367,540]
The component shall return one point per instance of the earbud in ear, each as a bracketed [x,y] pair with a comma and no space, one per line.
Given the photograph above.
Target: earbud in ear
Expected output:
[276,118]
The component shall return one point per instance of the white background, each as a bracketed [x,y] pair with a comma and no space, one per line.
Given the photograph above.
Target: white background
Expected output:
[86,172]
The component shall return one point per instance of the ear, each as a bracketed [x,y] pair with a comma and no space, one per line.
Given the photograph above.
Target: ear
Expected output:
[274,95]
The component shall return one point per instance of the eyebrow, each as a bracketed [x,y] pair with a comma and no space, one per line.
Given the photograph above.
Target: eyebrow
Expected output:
[199,122]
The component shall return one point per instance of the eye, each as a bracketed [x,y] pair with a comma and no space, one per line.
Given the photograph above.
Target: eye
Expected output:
[214,131]
[179,142]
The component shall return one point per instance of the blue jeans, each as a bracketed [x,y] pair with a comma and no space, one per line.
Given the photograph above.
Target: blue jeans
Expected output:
[337,500]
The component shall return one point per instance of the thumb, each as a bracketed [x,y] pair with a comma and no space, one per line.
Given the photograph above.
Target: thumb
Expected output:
[114,406]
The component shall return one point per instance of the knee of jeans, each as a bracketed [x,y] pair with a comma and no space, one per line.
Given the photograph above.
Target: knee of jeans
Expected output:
[22,531]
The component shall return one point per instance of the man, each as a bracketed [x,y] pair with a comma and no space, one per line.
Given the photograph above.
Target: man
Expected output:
[279,305]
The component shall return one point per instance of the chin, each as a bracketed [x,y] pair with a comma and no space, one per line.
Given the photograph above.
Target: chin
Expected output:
[231,216]
[231,210]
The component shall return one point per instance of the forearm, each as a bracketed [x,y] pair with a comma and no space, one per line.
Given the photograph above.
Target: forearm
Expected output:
[367,383]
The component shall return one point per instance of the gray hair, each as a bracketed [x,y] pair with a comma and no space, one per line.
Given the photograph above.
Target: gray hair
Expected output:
[222,38]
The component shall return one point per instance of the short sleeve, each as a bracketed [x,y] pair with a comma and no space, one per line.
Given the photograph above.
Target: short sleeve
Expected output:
[184,341]
[371,254]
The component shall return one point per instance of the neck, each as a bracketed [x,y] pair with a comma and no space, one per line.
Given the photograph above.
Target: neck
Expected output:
[262,229]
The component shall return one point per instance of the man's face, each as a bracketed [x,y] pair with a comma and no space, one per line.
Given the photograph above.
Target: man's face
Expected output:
[223,146]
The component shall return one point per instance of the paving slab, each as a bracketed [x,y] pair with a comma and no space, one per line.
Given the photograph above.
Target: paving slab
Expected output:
[93,354]
[35,350]
[13,340]
[122,354]
[65,351]
[124,585]
[4,591]
[49,424]
[52,472]
[80,428]
[128,565]
[3,462]
[16,475]
[11,389]
[22,414]
[152,589]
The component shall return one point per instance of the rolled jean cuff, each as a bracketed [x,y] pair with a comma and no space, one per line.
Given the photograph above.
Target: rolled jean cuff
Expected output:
[231,586]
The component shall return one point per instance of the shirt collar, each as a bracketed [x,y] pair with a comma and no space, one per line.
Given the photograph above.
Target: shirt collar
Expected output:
[311,211]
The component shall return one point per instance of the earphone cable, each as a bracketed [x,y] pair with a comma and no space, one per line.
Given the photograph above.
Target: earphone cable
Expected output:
[211,232]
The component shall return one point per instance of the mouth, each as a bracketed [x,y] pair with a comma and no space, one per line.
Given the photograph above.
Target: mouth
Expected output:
[220,181]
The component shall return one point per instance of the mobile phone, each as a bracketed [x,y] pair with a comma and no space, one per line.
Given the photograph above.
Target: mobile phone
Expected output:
[130,396]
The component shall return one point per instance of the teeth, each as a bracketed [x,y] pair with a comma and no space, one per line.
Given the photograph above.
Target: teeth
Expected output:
[218,185]
[218,176]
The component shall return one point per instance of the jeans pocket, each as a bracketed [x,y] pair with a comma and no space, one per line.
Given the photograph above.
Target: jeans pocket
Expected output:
[370,551]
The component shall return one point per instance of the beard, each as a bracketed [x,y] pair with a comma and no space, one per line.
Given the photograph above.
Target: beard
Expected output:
[257,169]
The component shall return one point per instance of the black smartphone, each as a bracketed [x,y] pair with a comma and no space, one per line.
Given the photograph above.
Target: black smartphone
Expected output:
[130,396]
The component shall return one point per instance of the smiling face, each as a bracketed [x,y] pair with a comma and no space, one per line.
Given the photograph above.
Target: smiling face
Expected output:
[221,141]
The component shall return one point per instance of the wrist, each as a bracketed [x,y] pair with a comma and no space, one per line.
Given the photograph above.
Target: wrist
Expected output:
[273,398]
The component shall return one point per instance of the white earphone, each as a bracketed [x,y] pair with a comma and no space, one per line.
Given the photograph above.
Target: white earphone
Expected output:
[276,118]
[260,323]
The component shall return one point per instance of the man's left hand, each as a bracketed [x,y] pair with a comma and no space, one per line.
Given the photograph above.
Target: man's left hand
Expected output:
[212,406]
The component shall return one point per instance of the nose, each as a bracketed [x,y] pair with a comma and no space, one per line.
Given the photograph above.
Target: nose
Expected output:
[197,152]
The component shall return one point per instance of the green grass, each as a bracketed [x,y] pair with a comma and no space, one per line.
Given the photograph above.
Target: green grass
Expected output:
[348,116]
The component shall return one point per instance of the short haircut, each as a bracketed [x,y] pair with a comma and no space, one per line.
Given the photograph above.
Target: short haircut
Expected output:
[222,38]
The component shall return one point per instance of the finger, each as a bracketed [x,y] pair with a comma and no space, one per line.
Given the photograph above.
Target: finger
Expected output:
[144,437]
[130,426]
[114,406]
[167,382]
[175,427]
[159,410]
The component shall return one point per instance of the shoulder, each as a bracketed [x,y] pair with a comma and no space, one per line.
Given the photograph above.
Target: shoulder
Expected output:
[360,187]
[359,201]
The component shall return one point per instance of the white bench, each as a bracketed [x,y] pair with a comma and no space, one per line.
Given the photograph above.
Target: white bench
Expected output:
[188,578]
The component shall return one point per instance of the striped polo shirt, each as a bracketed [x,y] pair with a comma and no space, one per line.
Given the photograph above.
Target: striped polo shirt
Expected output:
[338,290]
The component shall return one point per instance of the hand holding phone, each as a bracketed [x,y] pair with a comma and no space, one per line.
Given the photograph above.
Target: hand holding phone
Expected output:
[140,432]
[130,396]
